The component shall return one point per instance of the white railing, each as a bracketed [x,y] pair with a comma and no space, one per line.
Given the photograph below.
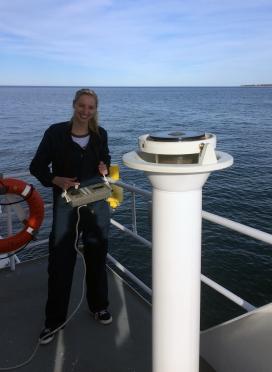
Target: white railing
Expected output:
[243,229]
[235,226]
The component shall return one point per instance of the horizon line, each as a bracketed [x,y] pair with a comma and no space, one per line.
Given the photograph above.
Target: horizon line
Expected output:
[130,86]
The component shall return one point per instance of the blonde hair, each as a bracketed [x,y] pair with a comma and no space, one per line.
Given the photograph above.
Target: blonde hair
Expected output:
[93,122]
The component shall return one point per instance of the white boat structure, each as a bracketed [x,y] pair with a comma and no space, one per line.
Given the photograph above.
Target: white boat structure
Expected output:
[239,345]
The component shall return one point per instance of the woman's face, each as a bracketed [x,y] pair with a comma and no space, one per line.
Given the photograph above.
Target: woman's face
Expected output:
[84,108]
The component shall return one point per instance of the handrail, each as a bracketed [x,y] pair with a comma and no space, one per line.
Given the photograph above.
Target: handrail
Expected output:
[235,226]
[128,187]
[217,287]
[129,274]
[239,227]
[225,292]
[20,174]
[131,233]
[243,229]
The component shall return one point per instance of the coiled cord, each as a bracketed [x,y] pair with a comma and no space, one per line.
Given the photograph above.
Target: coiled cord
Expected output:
[70,316]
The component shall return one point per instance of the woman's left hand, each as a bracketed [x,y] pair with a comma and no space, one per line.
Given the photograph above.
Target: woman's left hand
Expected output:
[102,168]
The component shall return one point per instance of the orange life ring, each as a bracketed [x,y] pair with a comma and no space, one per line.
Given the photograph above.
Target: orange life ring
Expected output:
[36,214]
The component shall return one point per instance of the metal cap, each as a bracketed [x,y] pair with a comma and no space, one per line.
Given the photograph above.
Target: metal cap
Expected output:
[177,136]
[175,142]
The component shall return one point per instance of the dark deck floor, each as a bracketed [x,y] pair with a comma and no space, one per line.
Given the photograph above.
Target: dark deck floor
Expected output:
[84,345]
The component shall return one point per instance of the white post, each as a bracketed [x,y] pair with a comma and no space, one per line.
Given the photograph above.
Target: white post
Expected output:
[176,277]
[176,280]
[177,206]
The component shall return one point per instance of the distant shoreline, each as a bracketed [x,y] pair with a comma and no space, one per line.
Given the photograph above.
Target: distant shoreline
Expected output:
[257,85]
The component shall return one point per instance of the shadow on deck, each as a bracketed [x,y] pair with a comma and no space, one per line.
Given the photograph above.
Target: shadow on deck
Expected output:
[84,345]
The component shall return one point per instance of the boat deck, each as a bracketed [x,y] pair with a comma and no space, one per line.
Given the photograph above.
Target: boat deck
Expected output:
[241,344]
[84,345]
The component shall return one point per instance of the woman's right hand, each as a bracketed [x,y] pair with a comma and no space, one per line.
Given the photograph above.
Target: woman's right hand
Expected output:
[64,182]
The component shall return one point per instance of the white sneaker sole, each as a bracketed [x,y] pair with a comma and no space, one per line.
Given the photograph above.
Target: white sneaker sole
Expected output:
[108,321]
[46,340]
[105,322]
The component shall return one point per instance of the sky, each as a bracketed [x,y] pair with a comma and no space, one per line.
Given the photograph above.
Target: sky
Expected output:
[135,42]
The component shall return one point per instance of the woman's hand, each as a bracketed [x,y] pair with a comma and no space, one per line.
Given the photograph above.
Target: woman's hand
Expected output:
[65,182]
[102,168]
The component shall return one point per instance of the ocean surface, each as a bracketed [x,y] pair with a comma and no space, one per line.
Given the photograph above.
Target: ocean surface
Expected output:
[240,117]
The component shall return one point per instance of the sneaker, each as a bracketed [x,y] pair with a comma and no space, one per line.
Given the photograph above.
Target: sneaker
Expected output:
[46,336]
[103,317]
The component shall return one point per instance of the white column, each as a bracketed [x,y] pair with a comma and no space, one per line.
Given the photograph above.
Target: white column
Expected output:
[177,199]
[176,279]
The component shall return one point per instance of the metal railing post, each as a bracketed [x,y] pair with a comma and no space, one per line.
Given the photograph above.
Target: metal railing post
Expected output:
[10,231]
[134,217]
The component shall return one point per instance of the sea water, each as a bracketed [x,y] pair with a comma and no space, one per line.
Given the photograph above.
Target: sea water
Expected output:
[241,118]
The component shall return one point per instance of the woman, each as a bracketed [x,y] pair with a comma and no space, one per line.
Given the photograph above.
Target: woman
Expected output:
[78,153]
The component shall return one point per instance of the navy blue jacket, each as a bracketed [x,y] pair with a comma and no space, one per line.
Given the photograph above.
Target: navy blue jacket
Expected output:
[67,158]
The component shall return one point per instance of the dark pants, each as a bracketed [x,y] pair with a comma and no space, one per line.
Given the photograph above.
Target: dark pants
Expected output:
[94,226]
